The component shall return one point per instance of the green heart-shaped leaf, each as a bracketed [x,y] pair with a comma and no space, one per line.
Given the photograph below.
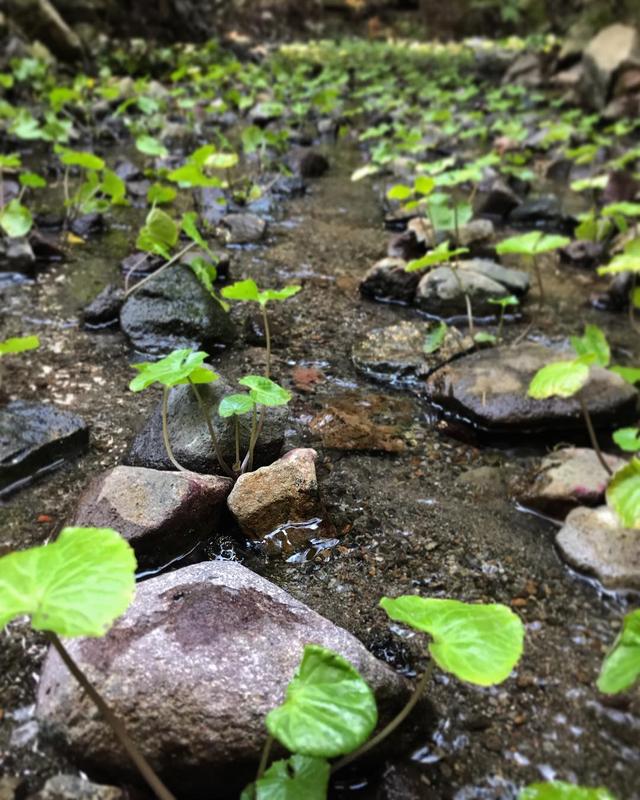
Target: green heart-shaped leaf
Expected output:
[179,367]
[558,790]
[242,290]
[594,343]
[278,294]
[531,244]
[151,146]
[627,439]
[79,158]
[623,494]
[480,644]
[15,219]
[235,404]
[329,710]
[75,586]
[621,667]
[560,379]
[18,345]
[159,234]
[265,391]
[294,779]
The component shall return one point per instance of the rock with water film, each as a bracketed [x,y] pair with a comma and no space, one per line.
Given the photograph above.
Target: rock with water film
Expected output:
[192,669]
[161,514]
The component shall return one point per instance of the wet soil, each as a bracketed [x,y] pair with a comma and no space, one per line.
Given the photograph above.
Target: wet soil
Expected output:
[432,517]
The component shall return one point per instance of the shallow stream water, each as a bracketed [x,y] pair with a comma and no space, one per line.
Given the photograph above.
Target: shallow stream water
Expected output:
[433,515]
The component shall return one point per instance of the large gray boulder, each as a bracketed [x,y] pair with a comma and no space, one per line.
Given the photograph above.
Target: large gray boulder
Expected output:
[607,55]
[192,669]
[174,310]
[161,514]
[593,541]
[189,435]
[489,388]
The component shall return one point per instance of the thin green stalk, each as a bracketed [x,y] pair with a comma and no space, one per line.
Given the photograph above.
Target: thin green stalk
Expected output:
[171,261]
[237,466]
[253,438]
[536,266]
[264,758]
[500,325]
[165,431]
[212,434]
[593,437]
[132,269]
[467,299]
[391,726]
[267,336]
[141,763]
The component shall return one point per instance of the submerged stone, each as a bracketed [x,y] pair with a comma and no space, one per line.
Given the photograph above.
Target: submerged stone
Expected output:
[35,438]
[161,514]
[174,310]
[104,309]
[396,353]
[388,280]
[593,541]
[192,669]
[489,389]
[189,435]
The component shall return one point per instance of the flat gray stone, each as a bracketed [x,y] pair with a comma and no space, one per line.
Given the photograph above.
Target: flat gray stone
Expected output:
[593,541]
[35,438]
[489,388]
[192,669]
[442,292]
[173,311]
[161,514]
[243,228]
[190,438]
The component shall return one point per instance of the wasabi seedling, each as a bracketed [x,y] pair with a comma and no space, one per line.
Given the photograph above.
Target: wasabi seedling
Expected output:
[100,189]
[76,586]
[179,368]
[236,405]
[264,393]
[248,291]
[559,790]
[621,666]
[627,261]
[504,303]
[531,245]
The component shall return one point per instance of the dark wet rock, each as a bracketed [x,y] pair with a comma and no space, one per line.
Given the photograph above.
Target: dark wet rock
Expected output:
[404,781]
[16,255]
[442,291]
[284,492]
[369,422]
[593,541]
[35,438]
[489,388]
[87,224]
[243,228]
[75,787]
[395,354]
[582,253]
[174,310]
[139,265]
[310,164]
[621,187]
[606,55]
[526,70]
[406,246]
[213,204]
[499,201]
[538,210]
[387,280]
[289,185]
[104,309]
[46,247]
[616,296]
[190,438]
[128,171]
[161,514]
[564,480]
[192,668]
[139,188]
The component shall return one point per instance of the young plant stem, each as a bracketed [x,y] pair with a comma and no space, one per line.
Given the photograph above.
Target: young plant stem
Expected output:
[500,325]
[169,263]
[165,430]
[264,758]
[253,438]
[536,266]
[132,269]
[267,336]
[141,763]
[214,439]
[237,466]
[467,299]
[391,726]
[592,436]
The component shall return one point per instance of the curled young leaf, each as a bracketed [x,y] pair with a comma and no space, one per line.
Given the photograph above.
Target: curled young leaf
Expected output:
[235,404]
